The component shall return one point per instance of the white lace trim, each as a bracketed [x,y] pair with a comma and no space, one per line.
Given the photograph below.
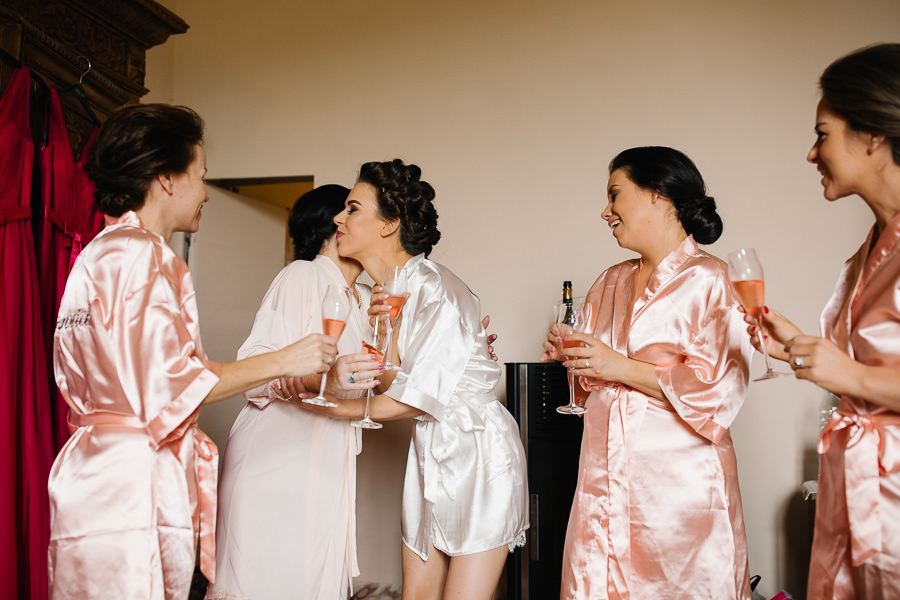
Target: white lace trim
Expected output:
[518,542]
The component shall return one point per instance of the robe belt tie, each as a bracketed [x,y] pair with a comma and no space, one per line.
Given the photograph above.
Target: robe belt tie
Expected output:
[206,459]
[16,213]
[863,463]
[78,236]
[442,443]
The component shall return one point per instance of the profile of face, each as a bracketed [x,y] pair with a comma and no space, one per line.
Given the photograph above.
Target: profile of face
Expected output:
[188,194]
[632,212]
[840,154]
[360,227]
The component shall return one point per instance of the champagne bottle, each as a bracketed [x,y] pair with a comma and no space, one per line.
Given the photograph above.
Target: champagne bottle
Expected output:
[569,318]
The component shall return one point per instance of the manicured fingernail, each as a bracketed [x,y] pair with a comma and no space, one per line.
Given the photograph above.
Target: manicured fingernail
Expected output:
[754,329]
[766,309]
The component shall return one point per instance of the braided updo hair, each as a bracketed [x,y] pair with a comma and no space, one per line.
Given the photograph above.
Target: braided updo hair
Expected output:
[311,222]
[401,195]
[135,145]
[673,175]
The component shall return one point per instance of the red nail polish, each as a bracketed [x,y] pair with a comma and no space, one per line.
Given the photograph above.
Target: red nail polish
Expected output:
[766,309]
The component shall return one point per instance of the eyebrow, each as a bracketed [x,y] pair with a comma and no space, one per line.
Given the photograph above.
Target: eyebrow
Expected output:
[351,201]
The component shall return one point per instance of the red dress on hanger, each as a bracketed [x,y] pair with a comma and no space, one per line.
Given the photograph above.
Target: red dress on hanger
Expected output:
[25,445]
[70,220]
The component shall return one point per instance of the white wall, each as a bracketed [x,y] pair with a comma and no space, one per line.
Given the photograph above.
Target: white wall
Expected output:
[513,110]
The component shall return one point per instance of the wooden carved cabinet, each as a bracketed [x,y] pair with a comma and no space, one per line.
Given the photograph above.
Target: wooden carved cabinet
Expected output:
[56,38]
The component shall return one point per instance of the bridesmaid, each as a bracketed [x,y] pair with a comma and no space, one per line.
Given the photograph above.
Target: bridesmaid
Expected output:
[465,492]
[287,501]
[136,483]
[657,509]
[856,547]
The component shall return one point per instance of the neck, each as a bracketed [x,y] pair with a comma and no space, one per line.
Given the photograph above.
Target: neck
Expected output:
[883,196]
[376,263]
[153,218]
[655,254]
[348,267]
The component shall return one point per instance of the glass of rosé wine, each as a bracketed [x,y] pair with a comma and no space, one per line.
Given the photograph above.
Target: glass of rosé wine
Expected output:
[395,284]
[746,274]
[377,344]
[335,309]
[582,322]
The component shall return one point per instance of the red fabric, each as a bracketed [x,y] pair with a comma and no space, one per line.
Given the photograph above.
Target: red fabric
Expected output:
[25,450]
[68,222]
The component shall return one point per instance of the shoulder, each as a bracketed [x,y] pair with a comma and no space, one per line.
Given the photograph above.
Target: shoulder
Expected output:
[614,274]
[129,253]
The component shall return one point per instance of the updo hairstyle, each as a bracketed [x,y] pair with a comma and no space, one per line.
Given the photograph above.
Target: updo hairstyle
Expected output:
[674,176]
[403,196]
[311,222]
[863,88]
[136,144]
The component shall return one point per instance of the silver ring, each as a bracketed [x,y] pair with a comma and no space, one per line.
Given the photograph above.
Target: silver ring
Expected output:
[351,378]
[799,362]
[587,364]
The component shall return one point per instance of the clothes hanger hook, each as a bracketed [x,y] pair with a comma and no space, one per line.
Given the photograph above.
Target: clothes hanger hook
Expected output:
[89,67]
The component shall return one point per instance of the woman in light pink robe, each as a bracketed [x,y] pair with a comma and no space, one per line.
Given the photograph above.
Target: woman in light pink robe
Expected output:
[856,545]
[657,509]
[136,483]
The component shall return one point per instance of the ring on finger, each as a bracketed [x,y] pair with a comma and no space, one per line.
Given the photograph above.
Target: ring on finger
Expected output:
[799,362]
[352,380]
[587,363]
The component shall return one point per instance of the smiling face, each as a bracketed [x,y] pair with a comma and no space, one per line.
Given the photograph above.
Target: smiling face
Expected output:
[189,194]
[360,229]
[632,212]
[840,154]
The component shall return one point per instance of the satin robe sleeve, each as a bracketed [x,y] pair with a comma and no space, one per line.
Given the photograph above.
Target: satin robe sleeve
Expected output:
[435,355]
[701,353]
[707,385]
[145,301]
[291,309]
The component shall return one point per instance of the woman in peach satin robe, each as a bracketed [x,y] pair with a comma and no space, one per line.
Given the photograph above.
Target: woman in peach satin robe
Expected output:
[135,485]
[856,545]
[657,508]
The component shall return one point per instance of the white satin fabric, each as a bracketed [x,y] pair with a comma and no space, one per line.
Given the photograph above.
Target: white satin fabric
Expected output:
[657,509]
[465,489]
[287,500]
[856,546]
[135,483]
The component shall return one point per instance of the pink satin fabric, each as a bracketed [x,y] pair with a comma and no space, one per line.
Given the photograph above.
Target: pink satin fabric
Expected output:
[136,483]
[856,547]
[657,510]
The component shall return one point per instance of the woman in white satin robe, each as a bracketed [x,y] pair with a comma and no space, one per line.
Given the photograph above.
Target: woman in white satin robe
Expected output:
[287,500]
[657,508]
[465,492]
[856,544]
[135,485]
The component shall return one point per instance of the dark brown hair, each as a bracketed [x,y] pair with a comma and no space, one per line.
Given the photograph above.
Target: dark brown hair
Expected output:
[133,146]
[863,88]
[402,195]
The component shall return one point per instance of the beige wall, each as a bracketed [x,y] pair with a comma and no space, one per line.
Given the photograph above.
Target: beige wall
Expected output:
[513,109]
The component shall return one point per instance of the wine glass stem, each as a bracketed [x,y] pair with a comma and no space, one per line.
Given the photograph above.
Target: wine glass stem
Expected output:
[322,385]
[762,344]
[571,388]
[368,395]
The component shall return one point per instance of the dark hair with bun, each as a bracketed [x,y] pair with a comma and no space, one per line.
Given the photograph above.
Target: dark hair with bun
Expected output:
[674,176]
[311,221]
[863,88]
[136,144]
[403,196]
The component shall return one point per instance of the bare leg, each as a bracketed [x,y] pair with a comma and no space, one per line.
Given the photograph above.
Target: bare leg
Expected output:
[423,580]
[475,576]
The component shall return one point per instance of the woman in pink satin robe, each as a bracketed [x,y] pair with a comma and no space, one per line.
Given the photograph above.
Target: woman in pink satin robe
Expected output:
[657,509]
[856,544]
[135,485]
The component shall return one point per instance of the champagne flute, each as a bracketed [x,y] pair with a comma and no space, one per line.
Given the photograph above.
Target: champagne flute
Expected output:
[576,318]
[335,309]
[395,284]
[746,274]
[378,345]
